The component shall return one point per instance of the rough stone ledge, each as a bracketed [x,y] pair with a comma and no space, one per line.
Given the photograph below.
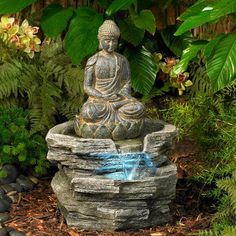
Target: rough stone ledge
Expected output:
[108,215]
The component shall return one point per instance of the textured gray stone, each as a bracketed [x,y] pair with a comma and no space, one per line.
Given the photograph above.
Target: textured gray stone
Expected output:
[93,202]
[11,172]
[3,232]
[7,188]
[4,216]
[6,198]
[16,233]
[25,183]
[17,187]
[4,205]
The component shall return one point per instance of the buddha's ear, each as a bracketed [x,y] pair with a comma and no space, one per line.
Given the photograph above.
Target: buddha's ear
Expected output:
[100,45]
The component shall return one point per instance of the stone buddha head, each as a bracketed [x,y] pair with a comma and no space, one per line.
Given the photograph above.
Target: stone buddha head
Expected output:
[108,35]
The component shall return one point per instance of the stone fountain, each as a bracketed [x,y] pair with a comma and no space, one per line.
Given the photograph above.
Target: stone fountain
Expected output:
[114,172]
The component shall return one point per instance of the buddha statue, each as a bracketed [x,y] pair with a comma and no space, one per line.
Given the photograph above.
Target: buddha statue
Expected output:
[110,111]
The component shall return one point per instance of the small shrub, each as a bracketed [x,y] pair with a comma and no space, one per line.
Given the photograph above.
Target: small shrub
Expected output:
[17,145]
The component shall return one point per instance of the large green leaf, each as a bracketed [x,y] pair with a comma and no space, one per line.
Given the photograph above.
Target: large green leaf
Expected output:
[202,13]
[145,20]
[81,38]
[176,43]
[117,5]
[195,9]
[129,32]
[210,47]
[143,69]
[188,54]
[221,66]
[13,6]
[55,19]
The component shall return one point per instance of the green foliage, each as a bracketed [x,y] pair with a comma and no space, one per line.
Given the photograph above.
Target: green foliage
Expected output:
[80,25]
[130,32]
[144,69]
[221,65]
[82,34]
[17,145]
[55,19]
[228,185]
[117,5]
[157,92]
[3,174]
[183,115]
[204,11]
[145,20]
[201,83]
[211,121]
[176,44]
[219,52]
[187,55]
[14,6]
[49,86]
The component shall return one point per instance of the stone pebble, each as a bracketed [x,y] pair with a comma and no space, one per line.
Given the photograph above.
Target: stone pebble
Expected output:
[25,183]
[4,206]
[4,217]
[16,233]
[12,174]
[17,187]
[3,232]
[9,187]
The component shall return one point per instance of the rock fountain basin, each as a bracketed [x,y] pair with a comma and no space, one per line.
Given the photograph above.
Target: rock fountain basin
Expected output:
[94,202]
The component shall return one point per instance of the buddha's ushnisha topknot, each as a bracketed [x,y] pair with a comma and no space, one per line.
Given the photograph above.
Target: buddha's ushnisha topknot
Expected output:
[108,28]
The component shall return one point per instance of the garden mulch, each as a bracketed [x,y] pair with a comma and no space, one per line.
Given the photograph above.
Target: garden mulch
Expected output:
[36,212]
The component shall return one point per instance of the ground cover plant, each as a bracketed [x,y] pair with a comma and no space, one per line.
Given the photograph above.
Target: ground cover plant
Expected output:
[18,146]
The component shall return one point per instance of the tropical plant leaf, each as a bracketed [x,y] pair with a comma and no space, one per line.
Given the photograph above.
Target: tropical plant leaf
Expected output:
[176,43]
[201,13]
[55,19]
[143,69]
[195,9]
[222,65]
[145,20]
[212,44]
[81,38]
[129,32]
[13,6]
[117,5]
[188,54]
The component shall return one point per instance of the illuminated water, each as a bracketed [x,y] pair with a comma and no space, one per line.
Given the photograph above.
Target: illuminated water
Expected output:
[128,166]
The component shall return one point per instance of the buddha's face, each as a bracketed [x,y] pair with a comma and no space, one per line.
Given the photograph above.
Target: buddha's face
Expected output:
[108,44]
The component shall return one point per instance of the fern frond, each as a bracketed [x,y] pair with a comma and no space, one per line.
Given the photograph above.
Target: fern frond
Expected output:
[208,233]
[200,79]
[229,231]
[229,185]
[44,102]
[73,96]
[9,74]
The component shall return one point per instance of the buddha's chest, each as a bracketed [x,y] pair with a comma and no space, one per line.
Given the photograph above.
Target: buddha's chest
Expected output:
[105,67]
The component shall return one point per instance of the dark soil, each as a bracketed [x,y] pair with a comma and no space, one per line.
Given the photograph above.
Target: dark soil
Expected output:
[36,212]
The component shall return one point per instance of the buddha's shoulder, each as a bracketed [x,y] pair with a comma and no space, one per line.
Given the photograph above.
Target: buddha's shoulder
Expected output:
[92,60]
[121,57]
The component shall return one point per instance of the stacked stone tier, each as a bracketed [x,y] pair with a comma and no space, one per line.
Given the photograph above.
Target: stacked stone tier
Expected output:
[93,202]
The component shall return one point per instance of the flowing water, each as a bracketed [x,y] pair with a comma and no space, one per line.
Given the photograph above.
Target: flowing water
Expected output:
[128,166]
